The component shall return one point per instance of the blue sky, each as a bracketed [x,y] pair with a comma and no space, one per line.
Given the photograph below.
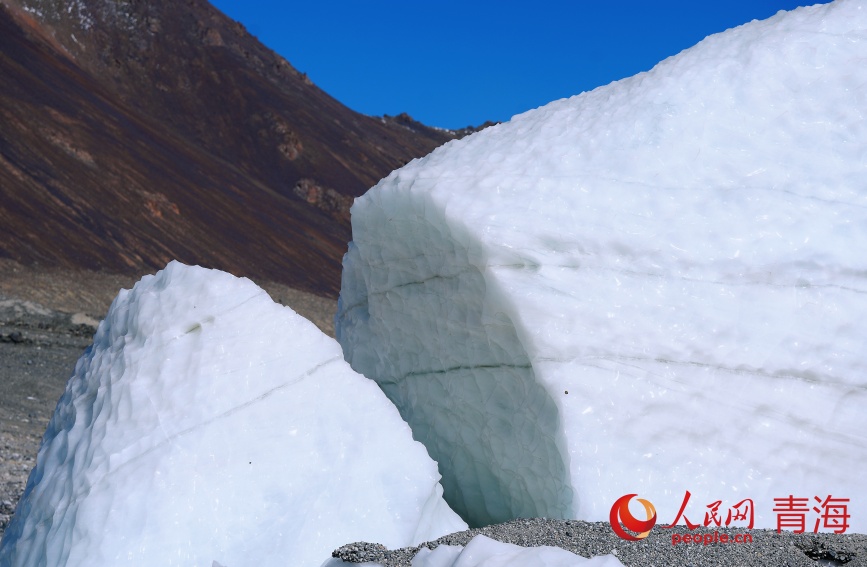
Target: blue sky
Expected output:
[453,64]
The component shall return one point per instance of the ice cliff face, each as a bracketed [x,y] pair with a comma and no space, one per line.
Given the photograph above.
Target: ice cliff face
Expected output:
[208,424]
[654,287]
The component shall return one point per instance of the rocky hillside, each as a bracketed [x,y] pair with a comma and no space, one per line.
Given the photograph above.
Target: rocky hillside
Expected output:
[133,132]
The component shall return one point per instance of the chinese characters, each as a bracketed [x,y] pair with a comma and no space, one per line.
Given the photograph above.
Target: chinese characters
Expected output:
[792,513]
[833,513]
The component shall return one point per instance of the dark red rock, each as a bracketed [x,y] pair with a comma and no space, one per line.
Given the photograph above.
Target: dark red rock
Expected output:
[134,133]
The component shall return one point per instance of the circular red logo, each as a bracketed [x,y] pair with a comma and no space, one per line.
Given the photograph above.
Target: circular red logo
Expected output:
[620,514]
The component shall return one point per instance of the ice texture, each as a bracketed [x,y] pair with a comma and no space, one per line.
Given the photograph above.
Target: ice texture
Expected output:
[655,287]
[483,551]
[209,425]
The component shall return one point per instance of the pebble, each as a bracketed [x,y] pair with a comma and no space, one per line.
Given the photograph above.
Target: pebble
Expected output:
[590,539]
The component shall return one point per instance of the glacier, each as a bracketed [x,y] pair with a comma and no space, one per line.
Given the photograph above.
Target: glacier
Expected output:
[208,425]
[656,287]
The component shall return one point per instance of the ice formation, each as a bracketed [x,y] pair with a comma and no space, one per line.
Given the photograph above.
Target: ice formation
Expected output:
[209,425]
[656,287]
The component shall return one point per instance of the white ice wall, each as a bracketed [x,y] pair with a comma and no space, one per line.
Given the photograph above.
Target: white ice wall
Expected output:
[684,252]
[209,425]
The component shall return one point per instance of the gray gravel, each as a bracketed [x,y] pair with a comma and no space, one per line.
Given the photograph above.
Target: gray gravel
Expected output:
[38,351]
[590,539]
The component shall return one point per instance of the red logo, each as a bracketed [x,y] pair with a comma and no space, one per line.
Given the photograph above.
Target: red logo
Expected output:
[620,514]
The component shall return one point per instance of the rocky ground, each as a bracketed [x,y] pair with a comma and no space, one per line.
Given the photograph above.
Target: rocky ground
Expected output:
[589,539]
[47,320]
[38,350]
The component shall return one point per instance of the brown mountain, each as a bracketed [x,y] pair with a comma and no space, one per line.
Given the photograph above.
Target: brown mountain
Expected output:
[135,132]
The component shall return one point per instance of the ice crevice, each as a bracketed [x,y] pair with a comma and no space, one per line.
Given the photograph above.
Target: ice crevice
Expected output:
[422,282]
[738,280]
[169,437]
[784,374]
[468,368]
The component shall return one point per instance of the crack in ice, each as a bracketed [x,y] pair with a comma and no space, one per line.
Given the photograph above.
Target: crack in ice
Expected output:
[74,499]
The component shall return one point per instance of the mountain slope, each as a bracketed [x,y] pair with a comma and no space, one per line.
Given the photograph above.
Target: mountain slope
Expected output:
[136,132]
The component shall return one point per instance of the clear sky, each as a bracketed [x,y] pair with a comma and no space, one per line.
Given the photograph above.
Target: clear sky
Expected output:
[453,64]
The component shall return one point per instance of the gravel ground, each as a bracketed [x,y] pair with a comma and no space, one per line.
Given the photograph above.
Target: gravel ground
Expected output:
[590,539]
[38,350]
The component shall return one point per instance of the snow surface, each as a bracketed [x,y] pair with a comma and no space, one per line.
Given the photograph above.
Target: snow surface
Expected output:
[209,425]
[655,287]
